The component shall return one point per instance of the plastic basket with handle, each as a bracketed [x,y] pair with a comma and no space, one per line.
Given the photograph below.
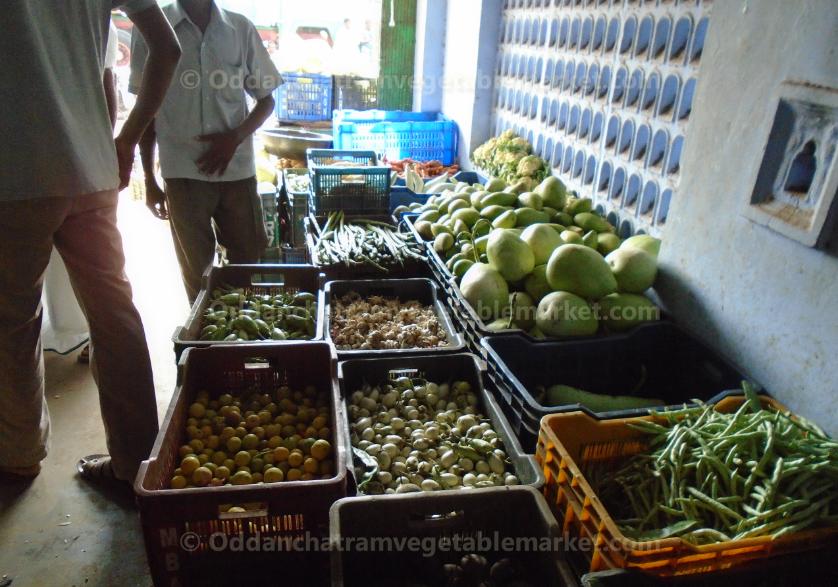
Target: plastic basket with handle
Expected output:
[349,181]
[190,535]
[260,279]
[509,518]
[570,443]
[304,96]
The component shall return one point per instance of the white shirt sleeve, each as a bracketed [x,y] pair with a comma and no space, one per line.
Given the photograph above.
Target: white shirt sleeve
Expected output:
[112,50]
[262,75]
[139,55]
[133,6]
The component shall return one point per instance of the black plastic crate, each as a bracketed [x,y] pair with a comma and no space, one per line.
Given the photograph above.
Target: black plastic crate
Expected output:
[442,368]
[422,290]
[282,513]
[411,268]
[362,188]
[515,514]
[259,278]
[653,361]
[351,92]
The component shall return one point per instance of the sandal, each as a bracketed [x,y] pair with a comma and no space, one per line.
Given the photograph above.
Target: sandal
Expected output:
[96,468]
[84,355]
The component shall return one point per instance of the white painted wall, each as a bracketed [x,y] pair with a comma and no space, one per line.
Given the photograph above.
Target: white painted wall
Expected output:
[471,43]
[768,302]
[431,19]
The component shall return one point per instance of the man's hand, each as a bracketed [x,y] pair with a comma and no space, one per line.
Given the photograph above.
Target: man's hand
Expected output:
[125,156]
[155,199]
[222,147]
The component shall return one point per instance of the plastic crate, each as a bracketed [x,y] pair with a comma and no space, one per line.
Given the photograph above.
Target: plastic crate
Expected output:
[270,217]
[411,268]
[658,360]
[440,368]
[801,568]
[257,278]
[422,290]
[471,177]
[355,93]
[569,443]
[295,255]
[304,96]
[424,136]
[178,523]
[402,196]
[364,189]
[437,518]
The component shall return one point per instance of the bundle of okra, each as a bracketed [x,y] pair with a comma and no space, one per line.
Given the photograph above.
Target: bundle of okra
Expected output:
[711,477]
[363,242]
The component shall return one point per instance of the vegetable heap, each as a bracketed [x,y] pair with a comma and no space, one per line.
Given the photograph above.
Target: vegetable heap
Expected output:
[238,314]
[712,477]
[424,169]
[363,242]
[381,323]
[298,182]
[256,438]
[509,158]
[414,435]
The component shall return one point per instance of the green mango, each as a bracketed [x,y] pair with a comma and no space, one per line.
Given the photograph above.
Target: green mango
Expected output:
[475,198]
[563,218]
[468,215]
[571,237]
[443,242]
[590,239]
[553,192]
[459,227]
[428,216]
[499,199]
[576,206]
[493,211]
[591,221]
[452,260]
[549,211]
[457,204]
[481,243]
[437,229]
[495,184]
[607,242]
[506,220]
[424,228]
[461,266]
[530,200]
[527,216]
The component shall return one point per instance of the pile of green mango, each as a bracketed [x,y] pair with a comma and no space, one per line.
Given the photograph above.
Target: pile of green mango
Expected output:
[236,314]
[543,261]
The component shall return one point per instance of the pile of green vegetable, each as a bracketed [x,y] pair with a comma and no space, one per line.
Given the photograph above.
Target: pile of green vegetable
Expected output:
[509,157]
[711,477]
[543,261]
[363,243]
[239,314]
[414,435]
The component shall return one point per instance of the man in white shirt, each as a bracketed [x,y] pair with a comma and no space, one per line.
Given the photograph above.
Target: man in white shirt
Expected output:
[60,169]
[204,132]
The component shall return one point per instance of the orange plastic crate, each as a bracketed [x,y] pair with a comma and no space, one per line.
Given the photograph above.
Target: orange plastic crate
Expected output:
[568,443]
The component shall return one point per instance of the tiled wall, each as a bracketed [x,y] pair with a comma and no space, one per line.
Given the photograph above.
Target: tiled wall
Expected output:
[603,90]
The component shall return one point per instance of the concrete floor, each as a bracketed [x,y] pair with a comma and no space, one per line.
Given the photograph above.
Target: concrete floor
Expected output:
[60,530]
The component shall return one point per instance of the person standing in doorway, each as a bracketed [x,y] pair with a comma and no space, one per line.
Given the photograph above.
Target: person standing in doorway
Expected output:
[204,132]
[62,192]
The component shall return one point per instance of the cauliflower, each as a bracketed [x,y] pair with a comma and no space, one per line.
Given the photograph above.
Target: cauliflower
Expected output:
[530,165]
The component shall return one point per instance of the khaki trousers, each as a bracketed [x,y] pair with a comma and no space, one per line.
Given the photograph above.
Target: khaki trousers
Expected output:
[235,210]
[84,231]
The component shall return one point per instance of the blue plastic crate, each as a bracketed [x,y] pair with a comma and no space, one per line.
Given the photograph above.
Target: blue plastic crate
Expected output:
[361,189]
[424,136]
[304,96]
[402,196]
